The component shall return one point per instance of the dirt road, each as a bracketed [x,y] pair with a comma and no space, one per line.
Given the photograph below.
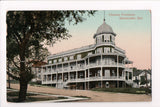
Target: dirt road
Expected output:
[95,96]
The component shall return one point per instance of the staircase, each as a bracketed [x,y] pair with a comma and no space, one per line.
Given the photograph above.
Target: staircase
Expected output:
[130,82]
[65,84]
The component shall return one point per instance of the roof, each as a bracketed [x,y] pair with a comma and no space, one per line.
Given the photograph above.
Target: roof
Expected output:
[78,50]
[104,28]
[39,64]
[138,72]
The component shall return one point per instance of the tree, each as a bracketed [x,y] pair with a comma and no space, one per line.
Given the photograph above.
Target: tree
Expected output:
[28,31]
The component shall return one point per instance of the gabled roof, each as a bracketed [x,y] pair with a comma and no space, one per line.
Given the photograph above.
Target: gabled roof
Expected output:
[138,72]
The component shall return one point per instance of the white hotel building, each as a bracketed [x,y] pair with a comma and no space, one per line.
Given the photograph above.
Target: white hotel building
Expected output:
[102,64]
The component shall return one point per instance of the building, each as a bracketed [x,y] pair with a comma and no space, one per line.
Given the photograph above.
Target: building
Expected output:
[102,64]
[142,78]
[36,70]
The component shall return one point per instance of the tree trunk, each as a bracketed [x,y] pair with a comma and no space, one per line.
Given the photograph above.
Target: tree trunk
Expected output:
[9,85]
[23,73]
[23,90]
[23,76]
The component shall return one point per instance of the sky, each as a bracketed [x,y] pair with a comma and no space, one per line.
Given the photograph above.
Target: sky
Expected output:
[133,29]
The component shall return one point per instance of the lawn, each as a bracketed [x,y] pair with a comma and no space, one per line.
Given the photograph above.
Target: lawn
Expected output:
[12,96]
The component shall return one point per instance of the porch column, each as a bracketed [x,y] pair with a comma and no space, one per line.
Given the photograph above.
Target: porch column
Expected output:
[124,75]
[62,73]
[124,78]
[46,75]
[132,74]
[85,75]
[51,72]
[117,71]
[88,73]
[56,77]
[101,72]
[76,74]
[68,71]
[42,74]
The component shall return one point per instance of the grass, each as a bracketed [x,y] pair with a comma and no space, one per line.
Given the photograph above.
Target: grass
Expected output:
[31,97]
[81,96]
[62,97]
[124,90]
[15,93]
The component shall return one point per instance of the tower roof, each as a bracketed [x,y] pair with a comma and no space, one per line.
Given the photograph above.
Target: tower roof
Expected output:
[104,28]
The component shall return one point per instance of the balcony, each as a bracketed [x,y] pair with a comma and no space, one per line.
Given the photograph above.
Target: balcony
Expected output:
[72,80]
[105,43]
[80,67]
[53,70]
[59,70]
[54,81]
[72,68]
[80,79]
[94,64]
[60,80]
[66,69]
[112,77]
[94,78]
[128,69]
[112,64]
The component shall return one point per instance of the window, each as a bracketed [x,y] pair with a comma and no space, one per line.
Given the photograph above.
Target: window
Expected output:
[110,38]
[90,53]
[71,58]
[79,56]
[102,38]
[39,76]
[50,62]
[107,38]
[106,50]
[113,73]
[110,49]
[60,60]
[99,50]
[96,40]
[65,58]
[55,61]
